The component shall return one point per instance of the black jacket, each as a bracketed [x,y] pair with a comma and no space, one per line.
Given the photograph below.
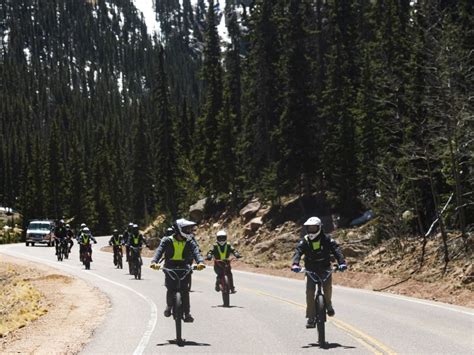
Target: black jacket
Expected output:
[166,250]
[60,232]
[317,253]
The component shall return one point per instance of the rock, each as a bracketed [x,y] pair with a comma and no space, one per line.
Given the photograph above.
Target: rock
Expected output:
[248,232]
[276,256]
[256,223]
[153,242]
[351,251]
[216,225]
[196,211]
[408,215]
[351,235]
[250,210]
[378,251]
[263,247]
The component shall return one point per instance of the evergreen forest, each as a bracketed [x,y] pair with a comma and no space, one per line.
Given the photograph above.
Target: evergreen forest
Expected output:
[368,102]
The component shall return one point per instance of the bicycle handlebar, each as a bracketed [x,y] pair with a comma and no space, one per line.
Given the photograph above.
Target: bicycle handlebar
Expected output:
[174,272]
[315,277]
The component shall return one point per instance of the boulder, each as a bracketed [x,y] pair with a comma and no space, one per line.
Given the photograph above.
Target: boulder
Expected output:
[250,210]
[350,251]
[196,211]
[256,223]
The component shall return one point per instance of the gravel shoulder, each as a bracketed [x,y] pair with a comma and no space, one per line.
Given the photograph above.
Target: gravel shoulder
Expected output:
[73,309]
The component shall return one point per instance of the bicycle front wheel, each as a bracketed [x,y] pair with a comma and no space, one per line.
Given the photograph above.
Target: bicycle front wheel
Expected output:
[226,291]
[321,319]
[178,316]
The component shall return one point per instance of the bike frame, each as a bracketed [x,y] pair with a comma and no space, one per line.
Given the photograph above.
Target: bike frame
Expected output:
[135,258]
[318,299]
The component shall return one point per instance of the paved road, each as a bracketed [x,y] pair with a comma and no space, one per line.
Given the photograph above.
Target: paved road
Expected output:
[267,315]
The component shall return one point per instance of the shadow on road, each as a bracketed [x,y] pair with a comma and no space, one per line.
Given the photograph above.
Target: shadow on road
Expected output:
[184,343]
[221,306]
[328,346]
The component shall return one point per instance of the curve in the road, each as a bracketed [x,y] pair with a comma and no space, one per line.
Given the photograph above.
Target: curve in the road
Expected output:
[154,309]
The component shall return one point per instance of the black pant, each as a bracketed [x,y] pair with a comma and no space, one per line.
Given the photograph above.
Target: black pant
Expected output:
[172,287]
[219,270]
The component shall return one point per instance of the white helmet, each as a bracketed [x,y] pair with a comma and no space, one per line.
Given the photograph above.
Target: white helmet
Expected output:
[182,224]
[221,237]
[83,225]
[313,222]
[86,230]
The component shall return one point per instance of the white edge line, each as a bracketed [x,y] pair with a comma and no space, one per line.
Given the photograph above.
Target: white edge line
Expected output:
[374,293]
[154,310]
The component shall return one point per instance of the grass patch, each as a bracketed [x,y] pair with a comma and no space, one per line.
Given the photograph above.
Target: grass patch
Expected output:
[20,303]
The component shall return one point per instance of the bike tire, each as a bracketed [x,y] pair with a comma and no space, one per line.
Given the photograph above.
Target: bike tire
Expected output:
[321,319]
[226,291]
[139,272]
[120,264]
[178,316]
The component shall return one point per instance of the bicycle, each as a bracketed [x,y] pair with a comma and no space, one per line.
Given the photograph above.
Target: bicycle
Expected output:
[320,303]
[224,281]
[118,255]
[62,250]
[86,256]
[135,262]
[177,309]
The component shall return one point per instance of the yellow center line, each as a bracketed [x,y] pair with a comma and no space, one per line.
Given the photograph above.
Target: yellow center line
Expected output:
[355,333]
[366,340]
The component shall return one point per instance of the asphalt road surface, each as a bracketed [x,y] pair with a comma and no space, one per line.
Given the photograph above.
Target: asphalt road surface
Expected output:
[266,315]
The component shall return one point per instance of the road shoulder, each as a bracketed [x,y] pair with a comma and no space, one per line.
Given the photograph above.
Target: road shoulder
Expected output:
[74,310]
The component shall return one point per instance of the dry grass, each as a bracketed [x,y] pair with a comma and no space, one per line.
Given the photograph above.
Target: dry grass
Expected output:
[20,302]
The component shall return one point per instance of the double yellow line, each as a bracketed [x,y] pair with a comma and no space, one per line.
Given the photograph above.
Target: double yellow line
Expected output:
[366,340]
[369,342]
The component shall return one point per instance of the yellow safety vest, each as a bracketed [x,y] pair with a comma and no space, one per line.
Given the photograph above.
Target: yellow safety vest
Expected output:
[223,254]
[117,241]
[316,244]
[135,240]
[85,239]
[178,249]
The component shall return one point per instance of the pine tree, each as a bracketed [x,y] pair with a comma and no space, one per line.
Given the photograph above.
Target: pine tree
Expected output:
[208,124]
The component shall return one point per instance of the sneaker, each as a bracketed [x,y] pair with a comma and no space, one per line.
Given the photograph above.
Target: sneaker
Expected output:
[217,288]
[311,323]
[167,311]
[188,318]
[330,311]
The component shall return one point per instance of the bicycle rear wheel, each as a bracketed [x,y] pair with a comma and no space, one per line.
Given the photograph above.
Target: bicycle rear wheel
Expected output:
[321,319]
[178,316]
[226,291]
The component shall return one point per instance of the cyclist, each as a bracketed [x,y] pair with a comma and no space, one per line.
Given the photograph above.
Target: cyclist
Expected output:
[116,242]
[177,251]
[222,250]
[85,242]
[78,235]
[60,235]
[316,246]
[126,234]
[135,239]
[69,237]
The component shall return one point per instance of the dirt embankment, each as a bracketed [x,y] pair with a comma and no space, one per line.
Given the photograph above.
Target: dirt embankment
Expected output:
[44,311]
[396,266]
